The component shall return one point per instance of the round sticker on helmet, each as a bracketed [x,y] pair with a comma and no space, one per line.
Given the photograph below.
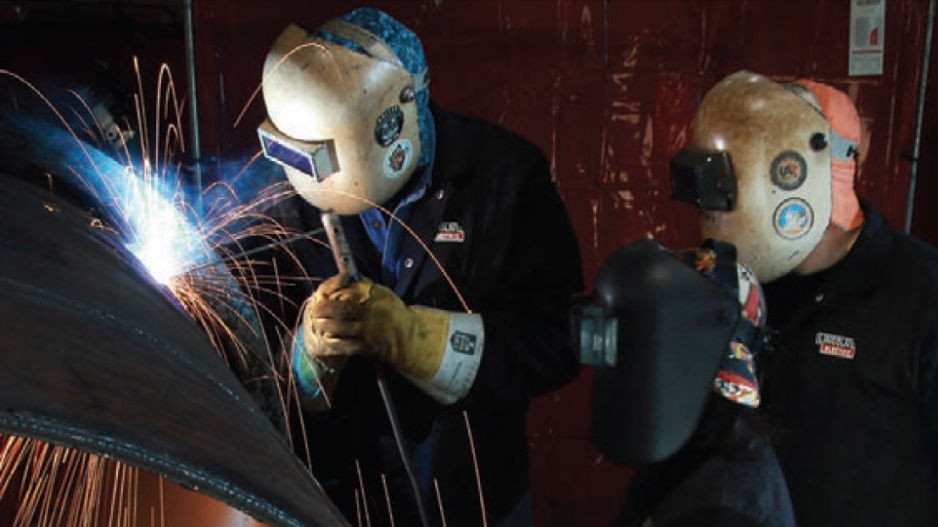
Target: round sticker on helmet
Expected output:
[389,125]
[793,218]
[398,158]
[789,170]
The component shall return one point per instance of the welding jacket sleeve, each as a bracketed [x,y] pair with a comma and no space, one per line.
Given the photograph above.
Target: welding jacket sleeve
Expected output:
[503,260]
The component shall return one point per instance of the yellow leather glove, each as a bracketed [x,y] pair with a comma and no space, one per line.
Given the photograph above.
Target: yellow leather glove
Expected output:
[345,318]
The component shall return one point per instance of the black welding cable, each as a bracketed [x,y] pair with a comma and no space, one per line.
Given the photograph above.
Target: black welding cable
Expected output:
[346,264]
[399,439]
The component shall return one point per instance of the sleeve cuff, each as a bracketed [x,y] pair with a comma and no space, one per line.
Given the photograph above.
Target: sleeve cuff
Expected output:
[465,341]
[310,374]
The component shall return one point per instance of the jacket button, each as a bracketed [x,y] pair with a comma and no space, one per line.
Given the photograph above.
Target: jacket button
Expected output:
[408,263]
[819,298]
[440,194]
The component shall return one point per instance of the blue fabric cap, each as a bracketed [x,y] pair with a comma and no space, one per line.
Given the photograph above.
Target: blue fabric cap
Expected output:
[407,47]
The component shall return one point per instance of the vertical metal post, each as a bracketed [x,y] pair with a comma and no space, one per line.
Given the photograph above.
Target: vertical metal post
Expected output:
[922,89]
[193,104]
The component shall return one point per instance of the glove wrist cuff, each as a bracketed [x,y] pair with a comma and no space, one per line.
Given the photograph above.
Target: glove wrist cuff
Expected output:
[465,341]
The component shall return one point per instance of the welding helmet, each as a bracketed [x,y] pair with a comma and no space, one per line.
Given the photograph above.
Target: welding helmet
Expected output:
[345,111]
[664,331]
[759,167]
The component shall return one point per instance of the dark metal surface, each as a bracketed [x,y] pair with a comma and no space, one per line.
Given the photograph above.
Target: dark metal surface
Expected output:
[96,356]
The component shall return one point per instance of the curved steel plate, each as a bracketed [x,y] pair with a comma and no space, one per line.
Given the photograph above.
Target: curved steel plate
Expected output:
[96,356]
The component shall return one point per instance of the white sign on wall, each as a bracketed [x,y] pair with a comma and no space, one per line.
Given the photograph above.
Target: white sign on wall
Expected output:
[867,24]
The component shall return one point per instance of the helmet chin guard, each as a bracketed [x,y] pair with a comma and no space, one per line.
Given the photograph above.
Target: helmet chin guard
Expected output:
[342,123]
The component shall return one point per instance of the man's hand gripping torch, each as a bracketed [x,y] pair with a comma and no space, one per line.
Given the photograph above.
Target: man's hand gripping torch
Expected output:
[328,376]
[346,265]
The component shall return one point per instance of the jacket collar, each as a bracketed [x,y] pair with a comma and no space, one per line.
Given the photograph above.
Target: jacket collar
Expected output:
[857,273]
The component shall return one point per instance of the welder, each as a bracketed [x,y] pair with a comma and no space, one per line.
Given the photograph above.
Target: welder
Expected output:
[680,405]
[851,378]
[467,263]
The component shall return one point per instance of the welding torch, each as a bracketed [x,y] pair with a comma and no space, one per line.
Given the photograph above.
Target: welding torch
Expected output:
[340,248]
[346,264]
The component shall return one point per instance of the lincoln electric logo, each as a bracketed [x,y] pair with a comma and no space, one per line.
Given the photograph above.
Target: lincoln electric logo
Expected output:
[836,345]
[450,231]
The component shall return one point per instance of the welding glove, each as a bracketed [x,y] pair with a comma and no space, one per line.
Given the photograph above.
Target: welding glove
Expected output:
[437,350]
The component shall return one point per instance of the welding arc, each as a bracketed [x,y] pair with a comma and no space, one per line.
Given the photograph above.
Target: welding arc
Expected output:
[346,264]
[87,363]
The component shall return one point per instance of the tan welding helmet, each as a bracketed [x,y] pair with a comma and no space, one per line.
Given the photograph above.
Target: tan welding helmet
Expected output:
[759,167]
[341,122]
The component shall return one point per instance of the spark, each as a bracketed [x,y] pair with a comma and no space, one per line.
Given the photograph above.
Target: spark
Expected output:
[475,463]
[387,498]
[162,237]
[439,501]
[358,509]
[361,483]
[257,90]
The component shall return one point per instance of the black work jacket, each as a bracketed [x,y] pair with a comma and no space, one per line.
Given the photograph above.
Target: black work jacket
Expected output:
[725,475]
[518,265]
[851,384]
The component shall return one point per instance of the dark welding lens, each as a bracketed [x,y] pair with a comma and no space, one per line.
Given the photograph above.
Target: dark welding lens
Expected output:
[286,155]
[684,177]
[312,159]
[704,179]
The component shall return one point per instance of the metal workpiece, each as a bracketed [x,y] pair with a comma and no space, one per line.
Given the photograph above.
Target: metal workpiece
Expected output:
[98,356]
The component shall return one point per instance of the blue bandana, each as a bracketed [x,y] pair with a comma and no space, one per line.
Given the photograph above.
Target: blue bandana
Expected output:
[407,47]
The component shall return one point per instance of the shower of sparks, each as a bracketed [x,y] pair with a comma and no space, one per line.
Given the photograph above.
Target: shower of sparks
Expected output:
[160,226]
[61,486]
[148,208]
[189,250]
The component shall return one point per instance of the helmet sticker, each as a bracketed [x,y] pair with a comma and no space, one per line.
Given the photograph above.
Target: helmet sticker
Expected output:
[793,218]
[396,160]
[389,125]
[789,170]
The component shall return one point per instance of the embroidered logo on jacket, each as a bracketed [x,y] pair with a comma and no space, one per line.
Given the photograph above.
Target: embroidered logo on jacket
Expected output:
[450,231]
[836,345]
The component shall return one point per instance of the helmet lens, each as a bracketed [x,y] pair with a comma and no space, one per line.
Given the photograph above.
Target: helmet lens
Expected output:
[310,158]
[704,179]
